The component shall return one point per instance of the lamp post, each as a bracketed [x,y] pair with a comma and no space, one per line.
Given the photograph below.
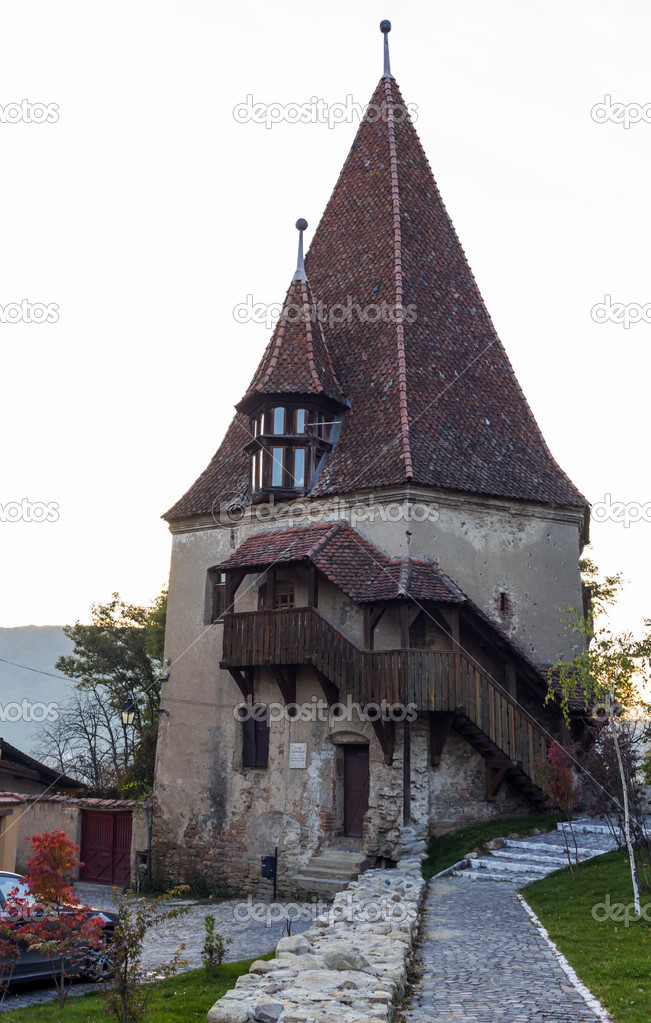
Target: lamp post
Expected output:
[128,712]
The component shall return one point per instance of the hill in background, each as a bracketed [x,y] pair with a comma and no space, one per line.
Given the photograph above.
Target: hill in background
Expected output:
[37,646]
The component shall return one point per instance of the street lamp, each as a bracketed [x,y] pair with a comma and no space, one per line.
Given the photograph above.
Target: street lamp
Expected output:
[128,712]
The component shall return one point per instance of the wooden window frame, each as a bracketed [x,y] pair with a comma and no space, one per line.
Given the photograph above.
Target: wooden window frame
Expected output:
[218,596]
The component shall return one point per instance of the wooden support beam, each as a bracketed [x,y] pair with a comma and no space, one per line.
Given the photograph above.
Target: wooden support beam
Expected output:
[496,772]
[406,773]
[244,681]
[440,726]
[403,617]
[372,616]
[386,735]
[330,690]
[232,583]
[270,592]
[312,585]
[286,681]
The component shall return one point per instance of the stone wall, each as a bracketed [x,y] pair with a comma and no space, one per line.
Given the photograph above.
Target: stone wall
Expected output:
[300,810]
[352,963]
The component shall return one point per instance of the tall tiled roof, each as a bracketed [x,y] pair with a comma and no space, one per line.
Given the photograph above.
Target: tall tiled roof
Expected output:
[433,396]
[297,360]
[348,560]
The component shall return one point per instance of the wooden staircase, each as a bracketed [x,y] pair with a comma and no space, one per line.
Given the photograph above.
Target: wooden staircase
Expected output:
[511,741]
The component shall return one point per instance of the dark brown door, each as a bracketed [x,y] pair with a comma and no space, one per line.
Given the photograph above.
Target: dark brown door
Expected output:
[105,847]
[356,775]
[122,848]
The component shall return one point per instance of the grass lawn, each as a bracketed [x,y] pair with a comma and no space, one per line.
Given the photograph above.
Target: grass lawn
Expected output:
[445,850]
[613,960]
[175,1000]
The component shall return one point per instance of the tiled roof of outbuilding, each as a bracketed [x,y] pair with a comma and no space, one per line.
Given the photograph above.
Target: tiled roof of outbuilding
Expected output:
[348,560]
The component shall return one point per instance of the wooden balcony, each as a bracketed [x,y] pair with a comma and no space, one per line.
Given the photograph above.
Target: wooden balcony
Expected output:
[433,680]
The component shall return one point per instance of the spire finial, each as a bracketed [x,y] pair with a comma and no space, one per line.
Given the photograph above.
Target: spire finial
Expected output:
[385,28]
[300,275]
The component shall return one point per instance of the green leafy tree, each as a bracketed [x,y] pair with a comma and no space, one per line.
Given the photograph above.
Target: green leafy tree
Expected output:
[118,657]
[609,674]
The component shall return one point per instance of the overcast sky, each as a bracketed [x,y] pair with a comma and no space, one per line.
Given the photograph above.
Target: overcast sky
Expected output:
[141,212]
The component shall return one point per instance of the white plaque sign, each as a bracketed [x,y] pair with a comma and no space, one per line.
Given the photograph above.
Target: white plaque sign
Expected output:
[298,754]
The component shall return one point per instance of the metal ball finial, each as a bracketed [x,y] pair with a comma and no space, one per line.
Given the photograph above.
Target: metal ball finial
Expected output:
[385,28]
[300,266]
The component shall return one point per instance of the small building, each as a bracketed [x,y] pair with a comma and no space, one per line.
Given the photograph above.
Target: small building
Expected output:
[21,776]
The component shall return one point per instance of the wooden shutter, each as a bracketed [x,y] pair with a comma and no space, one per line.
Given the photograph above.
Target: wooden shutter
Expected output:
[262,742]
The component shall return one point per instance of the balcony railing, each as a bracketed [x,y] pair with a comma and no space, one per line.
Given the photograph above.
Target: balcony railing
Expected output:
[433,680]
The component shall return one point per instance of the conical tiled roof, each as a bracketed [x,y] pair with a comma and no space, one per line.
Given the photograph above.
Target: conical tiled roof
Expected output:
[297,360]
[433,396]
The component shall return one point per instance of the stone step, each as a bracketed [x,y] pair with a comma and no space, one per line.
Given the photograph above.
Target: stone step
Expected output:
[585,827]
[551,847]
[510,866]
[546,858]
[488,875]
[320,885]
[329,859]
[336,874]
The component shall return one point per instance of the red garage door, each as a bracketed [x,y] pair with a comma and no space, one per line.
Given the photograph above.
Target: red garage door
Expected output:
[105,847]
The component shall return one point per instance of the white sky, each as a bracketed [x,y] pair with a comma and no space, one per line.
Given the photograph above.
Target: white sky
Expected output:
[146,212]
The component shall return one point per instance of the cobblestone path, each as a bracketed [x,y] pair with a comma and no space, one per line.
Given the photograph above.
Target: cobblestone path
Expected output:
[483,961]
[255,929]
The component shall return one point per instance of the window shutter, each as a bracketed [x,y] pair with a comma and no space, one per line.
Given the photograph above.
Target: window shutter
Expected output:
[262,743]
[248,743]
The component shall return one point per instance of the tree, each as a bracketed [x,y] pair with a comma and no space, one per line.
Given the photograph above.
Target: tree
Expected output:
[125,993]
[562,791]
[609,674]
[115,658]
[56,924]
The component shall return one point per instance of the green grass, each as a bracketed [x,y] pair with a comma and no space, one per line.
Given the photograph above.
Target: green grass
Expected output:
[444,850]
[613,960]
[184,997]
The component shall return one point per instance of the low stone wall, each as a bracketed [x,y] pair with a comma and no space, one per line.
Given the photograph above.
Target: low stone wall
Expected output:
[350,967]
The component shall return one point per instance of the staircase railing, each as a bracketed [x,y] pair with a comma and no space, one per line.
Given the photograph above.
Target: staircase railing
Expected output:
[435,680]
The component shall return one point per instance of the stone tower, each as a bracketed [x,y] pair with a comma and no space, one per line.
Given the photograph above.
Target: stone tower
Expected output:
[366,579]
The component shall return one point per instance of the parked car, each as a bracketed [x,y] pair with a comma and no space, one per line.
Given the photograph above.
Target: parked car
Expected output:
[34,965]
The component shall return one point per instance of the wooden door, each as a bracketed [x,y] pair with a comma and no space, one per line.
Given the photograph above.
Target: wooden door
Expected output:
[356,778]
[122,848]
[96,847]
[105,847]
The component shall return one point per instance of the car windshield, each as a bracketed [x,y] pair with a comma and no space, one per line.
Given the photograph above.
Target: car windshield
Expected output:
[15,887]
